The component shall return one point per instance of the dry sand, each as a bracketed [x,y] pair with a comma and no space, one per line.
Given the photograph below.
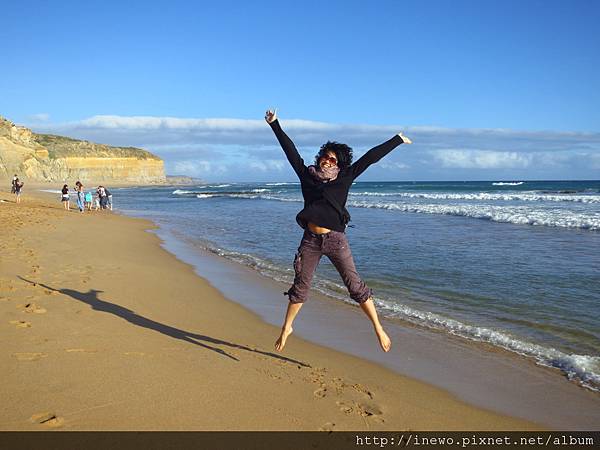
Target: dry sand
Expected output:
[102,329]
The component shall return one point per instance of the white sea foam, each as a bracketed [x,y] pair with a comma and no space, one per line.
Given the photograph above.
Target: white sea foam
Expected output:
[487,196]
[52,191]
[208,186]
[255,194]
[508,214]
[582,368]
[521,215]
[502,183]
[263,197]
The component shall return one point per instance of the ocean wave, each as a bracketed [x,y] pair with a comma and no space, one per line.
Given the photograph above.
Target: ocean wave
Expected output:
[264,197]
[584,369]
[520,215]
[186,192]
[505,214]
[487,196]
[502,183]
[205,194]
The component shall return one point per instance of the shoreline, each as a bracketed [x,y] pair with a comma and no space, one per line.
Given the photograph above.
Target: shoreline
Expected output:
[478,373]
[78,357]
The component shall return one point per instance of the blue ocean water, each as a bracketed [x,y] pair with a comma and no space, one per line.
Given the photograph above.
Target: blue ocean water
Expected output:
[513,264]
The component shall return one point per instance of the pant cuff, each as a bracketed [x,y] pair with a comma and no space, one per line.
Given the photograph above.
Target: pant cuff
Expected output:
[363,298]
[293,298]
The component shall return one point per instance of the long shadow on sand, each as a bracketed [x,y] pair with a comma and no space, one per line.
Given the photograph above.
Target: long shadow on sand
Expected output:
[91,298]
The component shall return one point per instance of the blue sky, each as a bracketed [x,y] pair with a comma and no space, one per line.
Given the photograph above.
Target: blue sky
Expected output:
[487,90]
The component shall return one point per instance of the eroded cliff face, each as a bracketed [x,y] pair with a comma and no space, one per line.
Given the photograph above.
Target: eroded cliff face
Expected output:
[42,157]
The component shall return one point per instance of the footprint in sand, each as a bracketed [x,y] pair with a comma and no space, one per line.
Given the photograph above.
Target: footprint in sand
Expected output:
[369,409]
[48,419]
[20,323]
[364,409]
[362,389]
[29,356]
[321,392]
[316,375]
[344,407]
[329,426]
[32,308]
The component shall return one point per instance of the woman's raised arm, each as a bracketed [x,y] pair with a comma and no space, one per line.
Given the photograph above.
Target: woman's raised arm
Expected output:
[376,153]
[286,143]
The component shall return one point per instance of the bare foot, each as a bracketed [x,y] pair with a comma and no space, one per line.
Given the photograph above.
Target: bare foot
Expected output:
[280,343]
[384,339]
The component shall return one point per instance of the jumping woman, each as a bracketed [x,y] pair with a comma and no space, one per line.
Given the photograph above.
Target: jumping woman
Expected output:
[325,187]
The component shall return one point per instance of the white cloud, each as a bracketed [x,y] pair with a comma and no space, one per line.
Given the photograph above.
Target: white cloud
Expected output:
[243,147]
[154,123]
[148,130]
[479,159]
[197,168]
[393,165]
[268,165]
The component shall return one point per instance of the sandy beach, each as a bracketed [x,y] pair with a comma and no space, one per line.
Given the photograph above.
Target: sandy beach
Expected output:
[105,330]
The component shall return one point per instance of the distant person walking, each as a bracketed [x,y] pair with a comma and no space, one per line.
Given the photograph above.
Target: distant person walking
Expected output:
[103,197]
[325,185]
[80,196]
[88,200]
[13,187]
[109,203]
[65,198]
[18,189]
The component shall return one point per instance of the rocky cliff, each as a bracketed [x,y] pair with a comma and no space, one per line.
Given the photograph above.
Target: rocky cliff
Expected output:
[45,157]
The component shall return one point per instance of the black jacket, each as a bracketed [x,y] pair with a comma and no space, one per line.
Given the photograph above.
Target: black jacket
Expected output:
[324,203]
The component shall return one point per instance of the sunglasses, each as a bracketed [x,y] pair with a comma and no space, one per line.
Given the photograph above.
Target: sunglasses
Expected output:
[329,159]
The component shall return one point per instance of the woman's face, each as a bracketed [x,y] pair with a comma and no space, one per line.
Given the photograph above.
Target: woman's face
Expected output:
[328,160]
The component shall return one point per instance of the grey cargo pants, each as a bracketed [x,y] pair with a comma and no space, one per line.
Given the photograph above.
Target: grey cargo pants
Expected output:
[335,246]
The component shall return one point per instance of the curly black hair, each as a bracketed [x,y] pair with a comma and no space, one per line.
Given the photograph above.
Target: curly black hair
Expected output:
[342,152]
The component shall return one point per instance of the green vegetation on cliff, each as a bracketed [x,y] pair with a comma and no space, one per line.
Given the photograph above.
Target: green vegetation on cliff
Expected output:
[64,147]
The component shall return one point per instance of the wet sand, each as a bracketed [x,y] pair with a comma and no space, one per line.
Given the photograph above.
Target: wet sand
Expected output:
[479,373]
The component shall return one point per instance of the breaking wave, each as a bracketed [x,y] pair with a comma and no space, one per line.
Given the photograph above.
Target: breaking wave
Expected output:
[584,369]
[488,196]
[520,215]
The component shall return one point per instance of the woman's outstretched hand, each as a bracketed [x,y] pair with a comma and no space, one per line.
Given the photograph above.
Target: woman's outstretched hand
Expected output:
[271,115]
[404,138]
